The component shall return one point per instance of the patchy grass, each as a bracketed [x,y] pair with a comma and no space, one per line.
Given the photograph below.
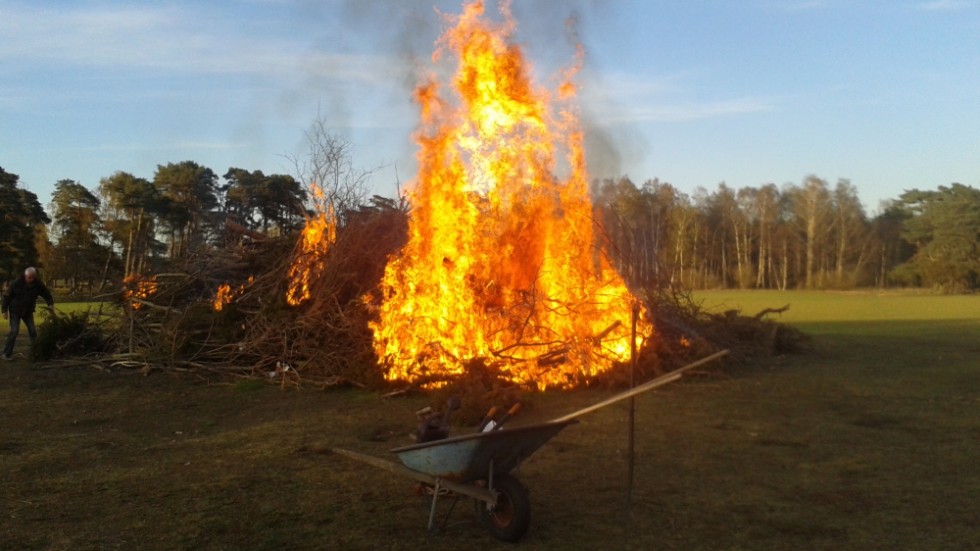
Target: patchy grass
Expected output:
[104,312]
[68,307]
[870,442]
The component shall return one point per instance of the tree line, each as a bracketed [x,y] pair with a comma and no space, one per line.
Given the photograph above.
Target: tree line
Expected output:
[810,235]
[131,224]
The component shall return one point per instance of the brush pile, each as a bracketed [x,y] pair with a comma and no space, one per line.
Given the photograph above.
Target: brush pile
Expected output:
[687,330]
[226,309]
[279,309]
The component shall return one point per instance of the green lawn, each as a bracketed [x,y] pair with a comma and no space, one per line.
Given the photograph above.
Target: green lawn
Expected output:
[869,441]
[814,309]
[69,307]
[890,397]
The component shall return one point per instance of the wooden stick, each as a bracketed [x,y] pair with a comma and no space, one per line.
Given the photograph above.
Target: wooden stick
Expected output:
[649,385]
[238,228]
[766,311]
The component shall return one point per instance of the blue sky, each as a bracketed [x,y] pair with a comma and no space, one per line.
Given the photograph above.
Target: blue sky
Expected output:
[693,92]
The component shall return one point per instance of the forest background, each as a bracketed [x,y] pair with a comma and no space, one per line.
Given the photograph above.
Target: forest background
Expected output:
[809,235]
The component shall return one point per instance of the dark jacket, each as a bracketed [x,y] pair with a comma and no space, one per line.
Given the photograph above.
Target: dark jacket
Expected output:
[21,296]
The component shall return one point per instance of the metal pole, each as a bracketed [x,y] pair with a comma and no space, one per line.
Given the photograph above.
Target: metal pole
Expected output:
[632,410]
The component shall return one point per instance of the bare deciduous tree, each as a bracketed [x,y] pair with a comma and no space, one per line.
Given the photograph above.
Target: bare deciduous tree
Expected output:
[326,169]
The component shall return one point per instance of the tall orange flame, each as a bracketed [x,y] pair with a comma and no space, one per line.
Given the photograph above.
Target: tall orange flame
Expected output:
[309,258]
[501,263]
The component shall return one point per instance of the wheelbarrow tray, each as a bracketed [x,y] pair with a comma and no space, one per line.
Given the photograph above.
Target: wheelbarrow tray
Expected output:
[474,456]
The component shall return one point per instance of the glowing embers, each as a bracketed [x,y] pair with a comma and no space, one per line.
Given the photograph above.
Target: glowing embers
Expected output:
[226,294]
[137,288]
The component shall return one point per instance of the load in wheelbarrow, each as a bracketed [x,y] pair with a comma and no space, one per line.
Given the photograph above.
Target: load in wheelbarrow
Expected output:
[479,465]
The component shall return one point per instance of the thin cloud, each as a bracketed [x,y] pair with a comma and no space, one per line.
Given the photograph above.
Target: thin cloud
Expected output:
[369,69]
[801,5]
[165,39]
[810,5]
[631,86]
[946,5]
[173,146]
[625,99]
[14,98]
[690,111]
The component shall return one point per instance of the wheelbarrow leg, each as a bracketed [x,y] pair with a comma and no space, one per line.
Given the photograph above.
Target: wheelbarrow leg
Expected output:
[432,509]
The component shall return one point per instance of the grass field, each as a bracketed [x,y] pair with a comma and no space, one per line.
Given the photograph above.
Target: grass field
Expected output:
[813,309]
[870,441]
[69,307]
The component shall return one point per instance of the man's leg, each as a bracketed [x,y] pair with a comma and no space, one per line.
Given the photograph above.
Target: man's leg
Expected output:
[8,350]
[31,328]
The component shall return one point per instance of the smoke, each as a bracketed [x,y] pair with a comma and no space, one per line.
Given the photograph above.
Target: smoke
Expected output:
[551,32]
[406,31]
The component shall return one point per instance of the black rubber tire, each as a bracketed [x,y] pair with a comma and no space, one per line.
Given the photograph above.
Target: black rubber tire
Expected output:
[510,518]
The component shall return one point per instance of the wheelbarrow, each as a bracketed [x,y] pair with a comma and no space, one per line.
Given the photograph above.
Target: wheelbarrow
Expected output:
[478,465]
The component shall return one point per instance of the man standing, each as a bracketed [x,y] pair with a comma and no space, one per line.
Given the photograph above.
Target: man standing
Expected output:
[18,303]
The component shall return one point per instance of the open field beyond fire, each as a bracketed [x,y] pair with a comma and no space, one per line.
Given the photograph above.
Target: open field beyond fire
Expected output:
[869,441]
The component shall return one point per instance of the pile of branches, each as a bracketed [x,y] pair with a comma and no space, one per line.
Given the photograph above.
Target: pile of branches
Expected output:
[324,340]
[686,331]
[73,335]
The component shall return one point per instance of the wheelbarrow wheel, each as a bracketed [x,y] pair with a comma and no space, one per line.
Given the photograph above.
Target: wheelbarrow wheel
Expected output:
[510,518]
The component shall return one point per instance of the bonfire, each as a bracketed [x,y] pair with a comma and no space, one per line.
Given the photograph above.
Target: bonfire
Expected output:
[491,265]
[502,264]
